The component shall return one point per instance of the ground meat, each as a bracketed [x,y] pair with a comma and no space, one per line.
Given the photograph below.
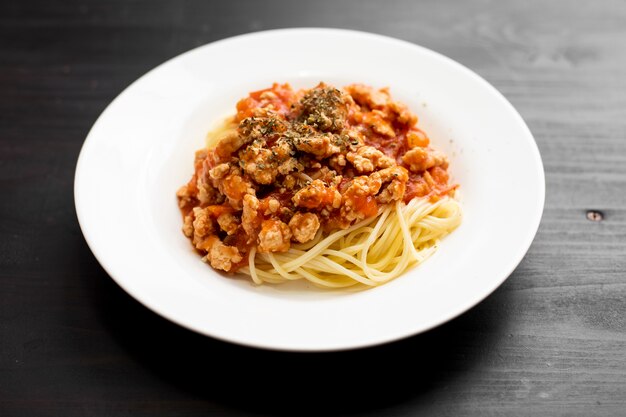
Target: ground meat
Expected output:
[402,113]
[282,156]
[337,162]
[257,163]
[304,226]
[228,222]
[219,171]
[354,137]
[263,163]
[325,108]
[221,256]
[275,236]
[207,194]
[324,174]
[188,225]
[184,196]
[358,199]
[316,194]
[288,166]
[250,219]
[368,96]
[289,182]
[273,205]
[202,225]
[229,143]
[368,158]
[322,145]
[364,185]
[377,121]
[420,159]
[254,128]
[396,178]
[235,186]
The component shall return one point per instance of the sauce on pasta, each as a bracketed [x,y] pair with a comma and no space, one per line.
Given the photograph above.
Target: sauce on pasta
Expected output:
[292,167]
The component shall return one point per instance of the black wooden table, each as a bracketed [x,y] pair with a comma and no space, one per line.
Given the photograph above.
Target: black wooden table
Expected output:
[551,341]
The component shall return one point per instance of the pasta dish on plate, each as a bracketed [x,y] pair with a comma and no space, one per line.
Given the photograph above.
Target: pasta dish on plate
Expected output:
[336,186]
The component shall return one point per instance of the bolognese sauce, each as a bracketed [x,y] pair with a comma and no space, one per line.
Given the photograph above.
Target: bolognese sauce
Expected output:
[298,163]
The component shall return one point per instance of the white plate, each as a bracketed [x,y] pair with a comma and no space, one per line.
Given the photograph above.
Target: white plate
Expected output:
[141,150]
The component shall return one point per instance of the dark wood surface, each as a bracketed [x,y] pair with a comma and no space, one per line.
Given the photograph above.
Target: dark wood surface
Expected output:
[550,342]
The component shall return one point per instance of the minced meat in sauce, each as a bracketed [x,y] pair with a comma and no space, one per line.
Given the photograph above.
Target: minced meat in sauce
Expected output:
[301,161]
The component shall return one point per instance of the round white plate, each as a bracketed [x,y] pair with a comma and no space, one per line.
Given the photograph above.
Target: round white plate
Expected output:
[141,150]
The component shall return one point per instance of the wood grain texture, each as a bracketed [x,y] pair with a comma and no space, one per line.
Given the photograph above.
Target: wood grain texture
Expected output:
[551,341]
